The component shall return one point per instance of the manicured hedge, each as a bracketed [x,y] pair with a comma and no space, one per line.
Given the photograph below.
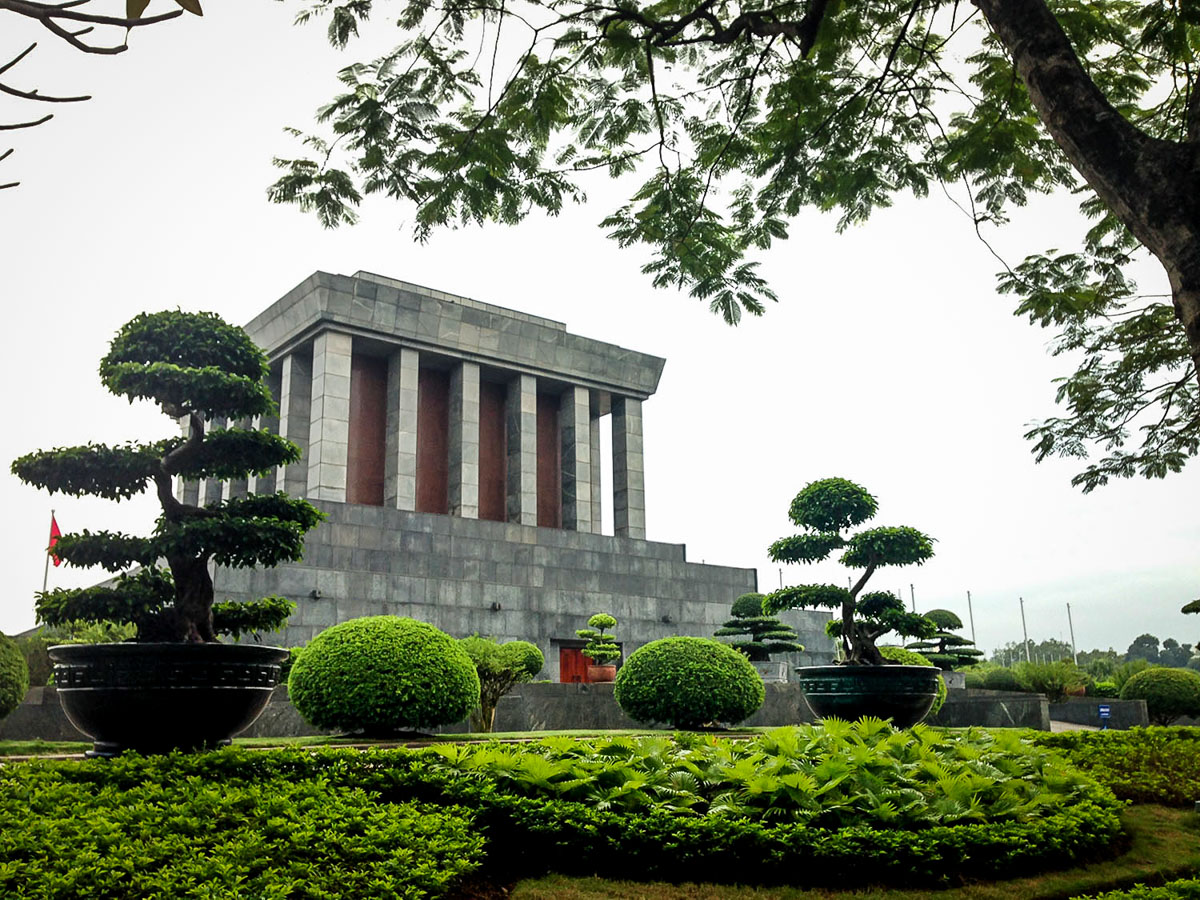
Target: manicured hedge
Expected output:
[688,682]
[382,674]
[142,828]
[1169,693]
[349,810]
[1184,889]
[1142,765]
[14,675]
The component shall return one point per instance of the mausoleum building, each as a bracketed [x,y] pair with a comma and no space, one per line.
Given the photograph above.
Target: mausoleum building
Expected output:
[456,448]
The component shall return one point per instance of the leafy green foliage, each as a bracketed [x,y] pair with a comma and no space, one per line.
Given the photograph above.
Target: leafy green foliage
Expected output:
[688,682]
[193,365]
[253,617]
[1002,680]
[529,830]
[831,505]
[910,658]
[1169,693]
[735,118]
[825,508]
[14,675]
[601,649]
[1180,889]
[1054,679]
[1141,765]
[499,667]
[767,635]
[944,648]
[166,835]
[836,775]
[382,674]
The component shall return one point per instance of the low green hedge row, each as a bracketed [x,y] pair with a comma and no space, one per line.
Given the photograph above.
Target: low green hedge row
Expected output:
[1184,889]
[1143,765]
[525,835]
[166,835]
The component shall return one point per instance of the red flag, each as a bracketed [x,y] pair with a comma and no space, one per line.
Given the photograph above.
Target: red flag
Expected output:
[55,534]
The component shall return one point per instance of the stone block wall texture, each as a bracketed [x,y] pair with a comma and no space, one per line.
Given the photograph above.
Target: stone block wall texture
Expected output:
[1086,711]
[498,579]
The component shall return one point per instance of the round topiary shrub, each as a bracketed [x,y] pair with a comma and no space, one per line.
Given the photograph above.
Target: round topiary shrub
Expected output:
[382,674]
[14,675]
[1002,680]
[913,658]
[1169,693]
[688,682]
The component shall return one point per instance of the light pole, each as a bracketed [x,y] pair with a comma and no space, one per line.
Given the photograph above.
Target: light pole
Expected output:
[1024,630]
[1071,625]
[971,613]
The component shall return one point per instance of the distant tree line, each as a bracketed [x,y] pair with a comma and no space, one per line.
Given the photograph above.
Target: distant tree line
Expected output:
[1101,663]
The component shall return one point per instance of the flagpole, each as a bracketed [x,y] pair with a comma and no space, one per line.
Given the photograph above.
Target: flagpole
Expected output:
[46,571]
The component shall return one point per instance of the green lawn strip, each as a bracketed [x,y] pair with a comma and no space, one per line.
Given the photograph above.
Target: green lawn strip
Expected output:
[43,748]
[1165,844]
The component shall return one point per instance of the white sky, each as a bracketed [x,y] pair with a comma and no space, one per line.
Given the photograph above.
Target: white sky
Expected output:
[889,360]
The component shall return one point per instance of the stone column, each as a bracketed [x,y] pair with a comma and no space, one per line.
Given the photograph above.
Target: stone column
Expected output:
[211,489]
[464,441]
[574,423]
[295,401]
[265,484]
[520,424]
[629,480]
[329,417]
[187,491]
[597,475]
[238,487]
[400,472]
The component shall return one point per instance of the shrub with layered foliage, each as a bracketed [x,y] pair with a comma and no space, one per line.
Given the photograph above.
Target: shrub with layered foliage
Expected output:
[688,682]
[1141,765]
[824,509]
[197,368]
[945,649]
[499,667]
[600,648]
[14,675]
[380,675]
[1169,693]
[762,635]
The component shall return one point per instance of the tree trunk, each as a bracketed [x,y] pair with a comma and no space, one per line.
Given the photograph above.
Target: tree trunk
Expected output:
[193,598]
[1151,185]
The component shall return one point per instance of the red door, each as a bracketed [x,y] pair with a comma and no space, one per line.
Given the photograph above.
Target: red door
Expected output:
[572,666]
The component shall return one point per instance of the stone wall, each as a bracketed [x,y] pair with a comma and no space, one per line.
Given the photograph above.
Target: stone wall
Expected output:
[508,581]
[993,709]
[1085,711]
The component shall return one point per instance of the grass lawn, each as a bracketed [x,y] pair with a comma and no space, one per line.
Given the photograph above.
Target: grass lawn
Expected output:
[1164,844]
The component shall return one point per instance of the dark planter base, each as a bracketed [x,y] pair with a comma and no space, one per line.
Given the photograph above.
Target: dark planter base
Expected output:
[155,698]
[903,694]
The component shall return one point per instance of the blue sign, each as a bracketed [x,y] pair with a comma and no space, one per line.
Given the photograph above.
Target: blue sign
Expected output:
[1105,711]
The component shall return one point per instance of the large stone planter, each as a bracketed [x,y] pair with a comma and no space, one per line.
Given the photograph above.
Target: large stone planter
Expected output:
[903,694]
[155,698]
[606,674]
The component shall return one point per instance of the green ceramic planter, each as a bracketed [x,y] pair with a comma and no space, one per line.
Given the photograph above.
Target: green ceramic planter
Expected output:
[903,694]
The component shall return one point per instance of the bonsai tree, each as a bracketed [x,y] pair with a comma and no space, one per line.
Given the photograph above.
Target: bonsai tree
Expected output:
[767,635]
[945,649]
[825,509]
[199,369]
[499,667]
[601,649]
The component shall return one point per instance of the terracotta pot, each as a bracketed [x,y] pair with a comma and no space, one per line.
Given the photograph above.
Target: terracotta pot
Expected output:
[903,694]
[155,698]
[601,674]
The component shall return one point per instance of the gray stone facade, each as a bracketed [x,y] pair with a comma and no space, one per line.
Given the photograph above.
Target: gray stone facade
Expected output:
[508,579]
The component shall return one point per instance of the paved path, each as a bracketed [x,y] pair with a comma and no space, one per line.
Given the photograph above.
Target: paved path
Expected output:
[1071,726]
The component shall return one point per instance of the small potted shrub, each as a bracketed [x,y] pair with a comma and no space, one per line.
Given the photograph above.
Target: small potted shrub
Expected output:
[499,667]
[600,648]
[765,635]
[174,685]
[865,683]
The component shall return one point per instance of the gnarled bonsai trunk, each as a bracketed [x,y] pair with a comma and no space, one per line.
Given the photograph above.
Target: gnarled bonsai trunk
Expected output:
[193,598]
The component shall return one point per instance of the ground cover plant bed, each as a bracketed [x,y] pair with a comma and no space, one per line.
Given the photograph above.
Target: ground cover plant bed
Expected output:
[969,806]
[1164,844]
[1141,765]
